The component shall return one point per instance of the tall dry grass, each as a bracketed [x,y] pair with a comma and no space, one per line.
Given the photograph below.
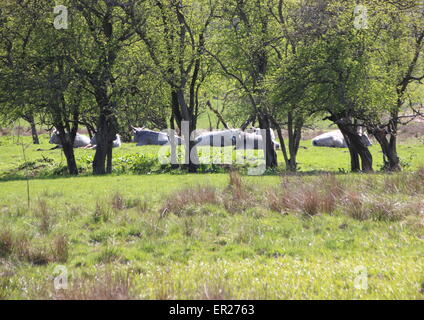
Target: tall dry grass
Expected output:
[308,197]
[359,198]
[107,286]
[44,215]
[178,202]
[24,248]
[6,243]
[238,196]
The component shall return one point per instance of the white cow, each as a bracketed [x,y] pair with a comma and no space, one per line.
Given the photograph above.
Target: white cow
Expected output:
[116,143]
[233,137]
[252,141]
[225,138]
[257,131]
[80,140]
[335,139]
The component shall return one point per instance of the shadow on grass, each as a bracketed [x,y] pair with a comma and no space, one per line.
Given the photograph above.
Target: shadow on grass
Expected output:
[182,172]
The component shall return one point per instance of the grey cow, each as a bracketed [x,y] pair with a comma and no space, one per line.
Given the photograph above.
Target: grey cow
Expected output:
[80,140]
[116,143]
[145,137]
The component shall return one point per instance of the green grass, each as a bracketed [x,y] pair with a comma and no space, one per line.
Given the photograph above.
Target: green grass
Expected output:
[325,159]
[253,254]
[207,252]
[311,159]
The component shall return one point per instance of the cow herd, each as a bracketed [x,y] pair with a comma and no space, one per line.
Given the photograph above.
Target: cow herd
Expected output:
[250,139]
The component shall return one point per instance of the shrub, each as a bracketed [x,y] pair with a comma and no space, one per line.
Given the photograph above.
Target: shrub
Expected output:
[38,256]
[136,163]
[279,201]
[142,206]
[310,198]
[416,181]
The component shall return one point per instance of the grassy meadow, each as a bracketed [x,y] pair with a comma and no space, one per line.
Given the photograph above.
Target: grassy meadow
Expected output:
[322,234]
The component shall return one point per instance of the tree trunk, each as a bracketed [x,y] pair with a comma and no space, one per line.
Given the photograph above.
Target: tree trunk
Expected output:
[189,126]
[388,147]
[174,164]
[67,142]
[193,165]
[366,159]
[176,108]
[102,163]
[269,149]
[35,139]
[30,119]
[295,135]
[109,154]
[358,151]
[99,159]
[68,150]
[106,133]
[355,164]
[283,146]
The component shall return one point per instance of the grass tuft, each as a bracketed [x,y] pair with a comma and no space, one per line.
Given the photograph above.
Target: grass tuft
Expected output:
[6,243]
[353,206]
[118,202]
[44,215]
[102,212]
[60,249]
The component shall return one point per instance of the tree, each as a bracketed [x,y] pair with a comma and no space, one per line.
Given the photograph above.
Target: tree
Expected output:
[242,51]
[337,74]
[17,25]
[95,61]
[287,104]
[41,81]
[174,33]
[399,45]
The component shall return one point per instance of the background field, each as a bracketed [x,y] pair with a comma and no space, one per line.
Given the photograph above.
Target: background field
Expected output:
[310,159]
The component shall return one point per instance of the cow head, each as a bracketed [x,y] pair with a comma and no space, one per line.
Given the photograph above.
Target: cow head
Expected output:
[135,129]
[54,138]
